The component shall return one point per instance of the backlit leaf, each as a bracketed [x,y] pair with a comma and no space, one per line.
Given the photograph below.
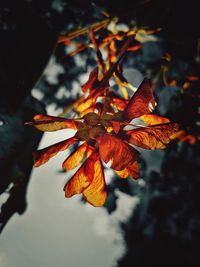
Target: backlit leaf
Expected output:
[116,126]
[75,158]
[151,119]
[47,123]
[142,102]
[123,173]
[120,153]
[132,169]
[152,137]
[82,178]
[43,155]
[95,193]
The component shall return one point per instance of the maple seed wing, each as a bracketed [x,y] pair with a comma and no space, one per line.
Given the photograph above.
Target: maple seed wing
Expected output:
[151,119]
[113,148]
[153,137]
[142,102]
[132,170]
[47,123]
[82,178]
[95,193]
[43,155]
[75,158]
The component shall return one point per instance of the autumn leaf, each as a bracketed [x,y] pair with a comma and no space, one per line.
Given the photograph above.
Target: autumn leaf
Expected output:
[75,158]
[120,153]
[47,123]
[152,137]
[151,119]
[43,155]
[95,193]
[82,178]
[132,169]
[142,102]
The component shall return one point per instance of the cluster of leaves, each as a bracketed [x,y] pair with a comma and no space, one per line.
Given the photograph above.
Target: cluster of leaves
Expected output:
[101,117]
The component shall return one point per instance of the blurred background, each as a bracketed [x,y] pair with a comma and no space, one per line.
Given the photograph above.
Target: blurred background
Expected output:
[154,220]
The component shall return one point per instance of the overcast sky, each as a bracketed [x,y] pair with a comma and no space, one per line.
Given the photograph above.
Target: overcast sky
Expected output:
[56,231]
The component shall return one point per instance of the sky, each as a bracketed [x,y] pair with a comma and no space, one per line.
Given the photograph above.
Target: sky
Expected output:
[56,231]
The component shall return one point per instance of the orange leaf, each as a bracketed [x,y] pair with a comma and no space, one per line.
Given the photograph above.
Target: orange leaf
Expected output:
[120,153]
[95,193]
[92,81]
[47,123]
[112,52]
[43,155]
[119,103]
[123,173]
[82,178]
[116,126]
[87,110]
[141,102]
[151,119]
[89,101]
[75,158]
[132,169]
[153,137]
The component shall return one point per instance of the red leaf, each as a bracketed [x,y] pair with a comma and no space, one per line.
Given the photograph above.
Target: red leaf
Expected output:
[142,102]
[120,153]
[116,126]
